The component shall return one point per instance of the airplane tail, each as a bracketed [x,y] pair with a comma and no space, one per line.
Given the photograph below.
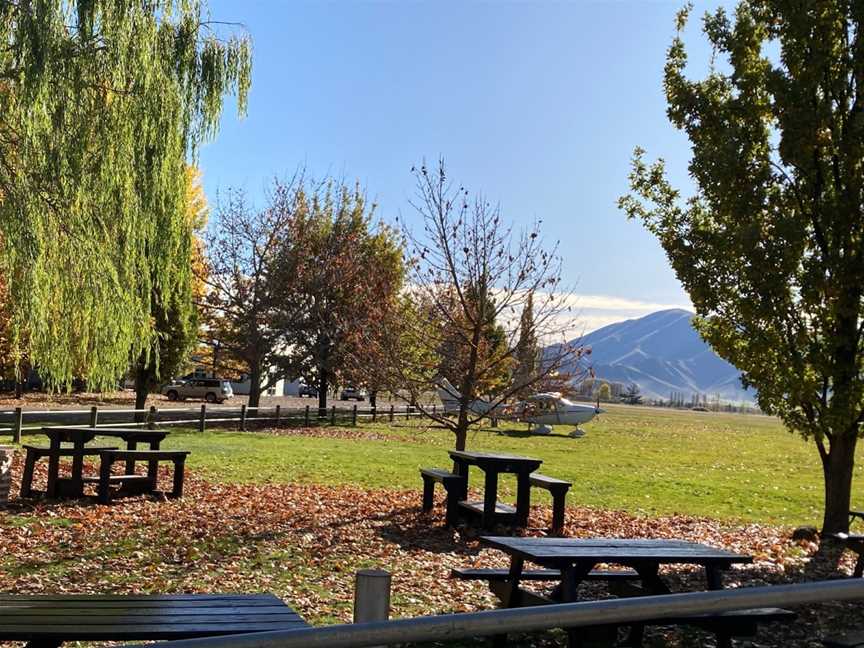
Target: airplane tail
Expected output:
[451,398]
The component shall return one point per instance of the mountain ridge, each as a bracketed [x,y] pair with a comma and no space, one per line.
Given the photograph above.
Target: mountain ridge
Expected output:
[662,353]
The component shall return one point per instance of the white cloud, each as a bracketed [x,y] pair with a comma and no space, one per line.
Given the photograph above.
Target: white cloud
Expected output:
[591,312]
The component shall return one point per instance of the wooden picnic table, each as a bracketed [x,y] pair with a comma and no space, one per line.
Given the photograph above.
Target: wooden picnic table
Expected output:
[46,621]
[73,486]
[577,557]
[491,510]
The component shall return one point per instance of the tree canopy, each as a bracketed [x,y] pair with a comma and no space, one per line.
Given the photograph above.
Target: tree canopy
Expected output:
[101,105]
[770,247]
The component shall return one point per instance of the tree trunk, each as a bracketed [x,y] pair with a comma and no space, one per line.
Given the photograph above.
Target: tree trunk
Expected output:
[837,467]
[461,433]
[322,392]
[254,384]
[323,376]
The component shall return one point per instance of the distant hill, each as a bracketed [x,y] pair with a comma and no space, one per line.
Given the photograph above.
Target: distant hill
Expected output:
[662,353]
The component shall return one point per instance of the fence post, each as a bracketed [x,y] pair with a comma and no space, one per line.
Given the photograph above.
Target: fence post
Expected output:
[434,410]
[333,415]
[278,408]
[371,596]
[203,418]
[243,417]
[151,417]
[407,412]
[17,425]
[94,416]
[354,415]
[391,412]
[306,417]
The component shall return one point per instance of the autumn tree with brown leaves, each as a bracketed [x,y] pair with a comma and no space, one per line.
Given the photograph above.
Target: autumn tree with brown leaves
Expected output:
[471,277]
[347,272]
[246,287]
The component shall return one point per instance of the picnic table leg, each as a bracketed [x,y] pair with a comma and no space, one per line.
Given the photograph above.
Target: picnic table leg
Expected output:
[27,477]
[153,468]
[509,594]
[649,573]
[179,469]
[53,467]
[130,463]
[77,482]
[523,498]
[43,643]
[105,477]
[571,576]
[714,577]
[490,498]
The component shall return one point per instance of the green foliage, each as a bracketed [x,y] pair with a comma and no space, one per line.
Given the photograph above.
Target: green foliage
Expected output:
[100,105]
[771,246]
[527,351]
[605,392]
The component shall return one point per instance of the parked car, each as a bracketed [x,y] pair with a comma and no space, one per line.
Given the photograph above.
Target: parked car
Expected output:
[307,390]
[212,390]
[353,393]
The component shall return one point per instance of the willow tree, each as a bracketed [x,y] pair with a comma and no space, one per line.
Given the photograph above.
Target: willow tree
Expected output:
[101,105]
[770,247]
[173,314]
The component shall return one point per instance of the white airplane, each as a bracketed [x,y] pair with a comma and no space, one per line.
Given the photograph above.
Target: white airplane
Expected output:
[540,410]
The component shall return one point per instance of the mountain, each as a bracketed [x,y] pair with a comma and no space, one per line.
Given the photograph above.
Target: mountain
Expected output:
[662,353]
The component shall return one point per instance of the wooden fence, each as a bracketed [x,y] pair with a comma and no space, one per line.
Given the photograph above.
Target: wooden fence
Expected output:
[19,421]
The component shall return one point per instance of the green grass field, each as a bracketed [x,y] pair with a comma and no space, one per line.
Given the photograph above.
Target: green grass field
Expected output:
[640,460]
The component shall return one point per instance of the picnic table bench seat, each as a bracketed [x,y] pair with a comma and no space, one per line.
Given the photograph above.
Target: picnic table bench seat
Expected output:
[455,486]
[725,625]
[34,453]
[846,640]
[558,489]
[131,483]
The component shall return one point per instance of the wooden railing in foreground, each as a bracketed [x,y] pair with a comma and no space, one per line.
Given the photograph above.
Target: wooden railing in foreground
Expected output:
[15,421]
[571,615]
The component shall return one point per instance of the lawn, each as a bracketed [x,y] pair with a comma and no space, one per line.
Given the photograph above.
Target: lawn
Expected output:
[644,461]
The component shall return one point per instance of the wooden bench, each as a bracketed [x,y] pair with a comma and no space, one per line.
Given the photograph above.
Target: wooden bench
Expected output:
[539,574]
[34,453]
[846,640]
[456,487]
[725,625]
[142,483]
[558,488]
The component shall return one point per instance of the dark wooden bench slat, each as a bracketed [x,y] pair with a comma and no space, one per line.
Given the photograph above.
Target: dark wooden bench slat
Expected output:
[477,507]
[544,481]
[146,454]
[848,640]
[539,574]
[558,488]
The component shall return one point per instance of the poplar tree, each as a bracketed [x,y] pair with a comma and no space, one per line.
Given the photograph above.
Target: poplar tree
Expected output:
[770,247]
[101,105]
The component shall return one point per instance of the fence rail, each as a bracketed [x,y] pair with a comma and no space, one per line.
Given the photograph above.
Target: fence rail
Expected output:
[447,627]
[14,422]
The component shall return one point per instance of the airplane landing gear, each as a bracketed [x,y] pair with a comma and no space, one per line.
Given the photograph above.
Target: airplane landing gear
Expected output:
[577,434]
[542,429]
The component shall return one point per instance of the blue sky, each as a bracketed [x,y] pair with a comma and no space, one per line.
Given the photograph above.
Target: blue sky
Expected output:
[537,105]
